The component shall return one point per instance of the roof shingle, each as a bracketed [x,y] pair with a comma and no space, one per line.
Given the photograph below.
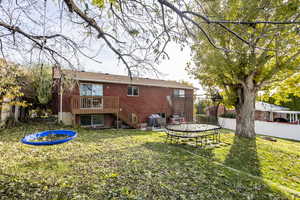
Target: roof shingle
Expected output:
[111,78]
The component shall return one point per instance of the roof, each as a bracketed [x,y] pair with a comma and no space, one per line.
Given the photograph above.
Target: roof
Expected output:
[121,79]
[262,106]
[287,111]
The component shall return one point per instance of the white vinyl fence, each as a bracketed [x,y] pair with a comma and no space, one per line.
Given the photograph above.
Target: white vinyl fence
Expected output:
[281,130]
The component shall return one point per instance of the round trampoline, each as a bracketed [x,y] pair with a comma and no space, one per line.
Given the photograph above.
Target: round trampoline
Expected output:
[50,137]
[202,134]
[192,128]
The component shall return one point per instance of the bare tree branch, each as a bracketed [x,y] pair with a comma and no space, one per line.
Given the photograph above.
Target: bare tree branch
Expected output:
[101,34]
[136,31]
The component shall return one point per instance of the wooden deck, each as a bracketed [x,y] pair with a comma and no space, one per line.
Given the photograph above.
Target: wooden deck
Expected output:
[104,105]
[94,104]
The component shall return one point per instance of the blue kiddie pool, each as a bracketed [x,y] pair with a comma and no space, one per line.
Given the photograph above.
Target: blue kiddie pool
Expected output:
[50,137]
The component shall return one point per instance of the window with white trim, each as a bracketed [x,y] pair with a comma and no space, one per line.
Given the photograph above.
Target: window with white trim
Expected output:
[133,91]
[89,89]
[179,93]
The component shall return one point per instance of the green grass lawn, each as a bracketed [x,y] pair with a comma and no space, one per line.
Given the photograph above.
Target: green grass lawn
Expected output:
[131,164]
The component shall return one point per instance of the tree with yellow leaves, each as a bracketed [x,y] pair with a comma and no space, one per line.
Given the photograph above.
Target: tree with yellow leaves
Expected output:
[284,92]
[11,77]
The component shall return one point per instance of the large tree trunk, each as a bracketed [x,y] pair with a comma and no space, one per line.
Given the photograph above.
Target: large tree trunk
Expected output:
[245,112]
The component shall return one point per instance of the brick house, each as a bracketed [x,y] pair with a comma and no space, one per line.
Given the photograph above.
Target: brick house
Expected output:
[263,111]
[99,99]
[267,112]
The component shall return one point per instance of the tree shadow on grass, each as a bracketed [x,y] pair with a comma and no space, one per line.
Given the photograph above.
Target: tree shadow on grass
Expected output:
[163,147]
[243,156]
[166,170]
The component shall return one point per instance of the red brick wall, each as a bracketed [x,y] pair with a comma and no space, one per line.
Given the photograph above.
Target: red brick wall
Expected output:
[150,100]
[211,110]
[109,120]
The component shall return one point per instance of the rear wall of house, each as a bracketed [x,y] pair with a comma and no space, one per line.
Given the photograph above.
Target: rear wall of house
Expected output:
[150,100]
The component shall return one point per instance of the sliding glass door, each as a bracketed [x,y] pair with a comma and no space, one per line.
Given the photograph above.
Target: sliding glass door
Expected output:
[89,89]
[91,95]
[92,120]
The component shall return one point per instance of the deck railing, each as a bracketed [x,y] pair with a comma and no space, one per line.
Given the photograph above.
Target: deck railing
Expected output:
[94,104]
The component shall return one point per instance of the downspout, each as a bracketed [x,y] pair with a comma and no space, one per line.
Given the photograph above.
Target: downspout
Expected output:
[60,103]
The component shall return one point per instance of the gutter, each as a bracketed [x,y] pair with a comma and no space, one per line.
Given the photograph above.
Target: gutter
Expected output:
[122,82]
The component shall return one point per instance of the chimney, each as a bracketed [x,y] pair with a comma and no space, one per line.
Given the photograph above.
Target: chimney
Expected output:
[56,72]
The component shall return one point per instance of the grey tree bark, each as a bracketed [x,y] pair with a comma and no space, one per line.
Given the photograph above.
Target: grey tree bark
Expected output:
[245,111]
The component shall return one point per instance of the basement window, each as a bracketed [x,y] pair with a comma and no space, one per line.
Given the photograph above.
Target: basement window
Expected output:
[133,91]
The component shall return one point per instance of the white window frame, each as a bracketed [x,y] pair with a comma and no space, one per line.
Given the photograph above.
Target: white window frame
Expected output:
[92,84]
[132,95]
[181,93]
[91,125]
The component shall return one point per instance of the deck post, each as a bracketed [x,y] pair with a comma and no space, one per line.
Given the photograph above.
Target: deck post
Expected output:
[118,120]
[73,120]
[60,117]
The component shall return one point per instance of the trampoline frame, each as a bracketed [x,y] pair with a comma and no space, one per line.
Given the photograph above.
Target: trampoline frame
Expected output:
[201,138]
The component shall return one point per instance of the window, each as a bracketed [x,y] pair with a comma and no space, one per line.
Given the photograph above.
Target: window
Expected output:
[179,93]
[162,115]
[133,91]
[134,118]
[85,120]
[91,120]
[88,89]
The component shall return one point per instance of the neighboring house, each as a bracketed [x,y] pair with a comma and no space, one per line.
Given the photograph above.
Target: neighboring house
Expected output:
[99,99]
[267,112]
[263,111]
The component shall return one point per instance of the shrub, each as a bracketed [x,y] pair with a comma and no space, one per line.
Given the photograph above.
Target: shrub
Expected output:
[10,122]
